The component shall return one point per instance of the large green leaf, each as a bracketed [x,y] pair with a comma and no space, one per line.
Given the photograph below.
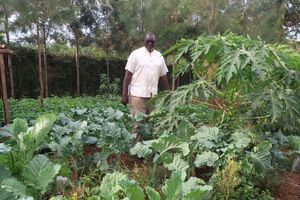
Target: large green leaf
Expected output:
[192,184]
[294,142]
[101,160]
[141,150]
[170,142]
[208,137]
[208,133]
[173,186]
[261,157]
[17,188]
[4,195]
[4,148]
[5,132]
[39,172]
[196,194]
[110,185]
[4,173]
[240,139]
[42,126]
[195,189]
[19,126]
[229,66]
[132,190]
[206,158]
[152,194]
[199,89]
[178,165]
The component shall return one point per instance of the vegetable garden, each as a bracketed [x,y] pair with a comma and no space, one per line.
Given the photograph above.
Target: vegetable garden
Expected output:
[229,134]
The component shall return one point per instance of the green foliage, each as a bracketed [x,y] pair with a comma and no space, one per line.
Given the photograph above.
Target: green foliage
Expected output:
[132,190]
[109,89]
[40,172]
[172,188]
[294,142]
[17,188]
[152,194]
[206,158]
[29,109]
[178,165]
[175,188]
[261,157]
[25,141]
[141,149]
[250,187]
[227,179]
[167,143]
[254,80]
[200,90]
[61,77]
[66,137]
[36,177]
[111,185]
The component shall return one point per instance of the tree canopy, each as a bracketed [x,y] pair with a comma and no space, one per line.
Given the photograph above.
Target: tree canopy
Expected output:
[121,24]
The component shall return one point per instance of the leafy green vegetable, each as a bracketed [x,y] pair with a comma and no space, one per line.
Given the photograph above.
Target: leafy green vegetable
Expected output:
[170,142]
[14,186]
[132,190]
[261,157]
[40,172]
[173,186]
[152,194]
[178,165]
[141,149]
[111,185]
[206,158]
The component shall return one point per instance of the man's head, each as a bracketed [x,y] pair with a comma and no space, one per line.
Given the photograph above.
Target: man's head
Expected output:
[149,41]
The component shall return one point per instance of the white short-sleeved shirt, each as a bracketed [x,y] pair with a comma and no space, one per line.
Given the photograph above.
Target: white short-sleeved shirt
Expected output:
[146,68]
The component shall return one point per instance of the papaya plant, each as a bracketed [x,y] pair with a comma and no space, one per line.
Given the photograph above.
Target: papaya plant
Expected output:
[255,81]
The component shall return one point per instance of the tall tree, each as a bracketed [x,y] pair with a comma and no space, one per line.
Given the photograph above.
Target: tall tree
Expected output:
[29,16]
[78,7]
[102,30]
[6,8]
[54,12]
[292,19]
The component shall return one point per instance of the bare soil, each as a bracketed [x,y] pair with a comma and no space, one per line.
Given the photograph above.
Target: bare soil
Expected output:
[290,187]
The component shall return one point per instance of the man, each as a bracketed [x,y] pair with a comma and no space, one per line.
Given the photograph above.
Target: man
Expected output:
[145,68]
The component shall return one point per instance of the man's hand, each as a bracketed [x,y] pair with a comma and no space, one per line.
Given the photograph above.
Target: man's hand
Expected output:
[164,82]
[126,82]
[124,100]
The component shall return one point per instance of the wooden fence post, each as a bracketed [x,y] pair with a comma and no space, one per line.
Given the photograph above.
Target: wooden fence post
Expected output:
[3,51]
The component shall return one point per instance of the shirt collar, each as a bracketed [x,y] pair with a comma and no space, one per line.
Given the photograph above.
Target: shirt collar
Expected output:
[148,51]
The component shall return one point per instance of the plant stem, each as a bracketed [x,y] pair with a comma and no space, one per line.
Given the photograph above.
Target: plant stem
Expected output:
[153,173]
[118,160]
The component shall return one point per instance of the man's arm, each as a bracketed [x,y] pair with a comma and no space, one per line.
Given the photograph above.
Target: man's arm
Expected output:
[126,82]
[164,82]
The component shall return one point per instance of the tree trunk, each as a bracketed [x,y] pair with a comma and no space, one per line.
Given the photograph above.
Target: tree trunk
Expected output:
[107,65]
[77,66]
[45,61]
[173,78]
[281,14]
[11,79]
[40,64]
[245,17]
[211,17]
[3,90]
[142,18]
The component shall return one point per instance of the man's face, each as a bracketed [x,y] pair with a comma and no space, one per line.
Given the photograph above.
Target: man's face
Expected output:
[149,42]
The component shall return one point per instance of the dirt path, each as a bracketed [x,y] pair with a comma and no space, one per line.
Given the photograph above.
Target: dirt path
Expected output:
[290,187]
